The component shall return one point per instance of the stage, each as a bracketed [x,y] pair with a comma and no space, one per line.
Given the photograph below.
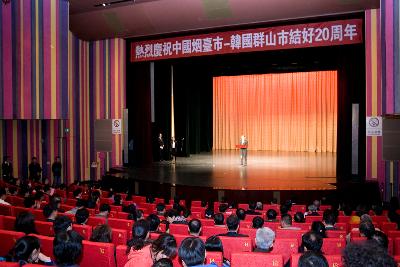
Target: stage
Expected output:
[265,170]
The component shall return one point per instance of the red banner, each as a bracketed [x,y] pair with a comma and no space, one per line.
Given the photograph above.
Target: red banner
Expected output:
[327,33]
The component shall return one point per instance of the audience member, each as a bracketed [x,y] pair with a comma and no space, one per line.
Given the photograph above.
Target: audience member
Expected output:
[172,216]
[131,210]
[3,197]
[82,216]
[329,219]
[223,207]
[194,227]
[367,229]
[192,252]
[319,228]
[312,211]
[77,193]
[160,208]
[139,215]
[284,209]
[50,213]
[102,233]
[62,224]
[271,215]
[241,214]
[163,263]
[80,204]
[265,238]
[381,239]
[258,222]
[214,243]
[259,206]
[29,202]
[219,219]
[312,259]
[366,254]
[251,210]
[163,247]
[25,222]
[104,211]
[232,223]
[117,200]
[286,222]
[27,250]
[154,223]
[67,248]
[311,241]
[299,217]
[138,248]
[209,213]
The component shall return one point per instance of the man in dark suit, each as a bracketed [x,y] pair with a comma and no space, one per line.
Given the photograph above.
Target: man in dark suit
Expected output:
[161,146]
[251,210]
[35,170]
[232,224]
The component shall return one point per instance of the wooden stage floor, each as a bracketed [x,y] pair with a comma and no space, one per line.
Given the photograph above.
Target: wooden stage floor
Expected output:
[265,170]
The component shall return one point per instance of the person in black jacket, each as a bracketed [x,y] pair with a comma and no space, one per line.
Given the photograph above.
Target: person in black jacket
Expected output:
[7,169]
[232,223]
[35,170]
[56,169]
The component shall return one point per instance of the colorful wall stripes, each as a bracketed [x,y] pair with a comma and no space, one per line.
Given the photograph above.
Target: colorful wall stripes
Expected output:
[382,46]
[33,59]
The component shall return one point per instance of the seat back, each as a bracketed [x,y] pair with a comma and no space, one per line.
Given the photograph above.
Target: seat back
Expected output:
[44,228]
[18,210]
[298,208]
[116,208]
[246,224]
[71,202]
[84,230]
[38,215]
[15,201]
[213,230]
[272,225]
[122,215]
[251,232]
[121,224]
[46,245]
[181,229]
[282,233]
[12,264]
[102,254]
[342,226]
[6,210]
[285,247]
[206,222]
[8,223]
[303,226]
[94,221]
[310,219]
[122,257]
[180,238]
[343,219]
[393,234]
[195,203]
[240,259]
[8,239]
[333,246]
[119,237]
[235,244]
[388,226]
[336,234]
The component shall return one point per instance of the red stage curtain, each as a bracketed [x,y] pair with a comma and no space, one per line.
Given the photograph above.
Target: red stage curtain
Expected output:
[277,112]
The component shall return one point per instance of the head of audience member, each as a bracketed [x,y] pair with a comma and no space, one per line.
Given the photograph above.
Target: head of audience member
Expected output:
[67,248]
[317,204]
[361,210]
[117,200]
[25,250]
[381,239]
[139,215]
[318,228]
[176,206]
[209,213]
[252,206]
[25,222]
[80,203]
[50,213]
[365,218]
[258,222]
[219,219]
[154,222]
[223,207]
[104,210]
[194,227]
[140,235]
[299,217]
[170,215]
[192,252]
[284,209]
[214,243]
[377,209]
[311,241]
[265,238]
[163,263]
[286,221]
[55,201]
[102,233]
[329,218]
[163,247]
[62,224]
[160,208]
[110,193]
[259,206]
[77,193]
[347,210]
[3,193]
[29,202]
[271,215]
[367,254]
[312,209]
[131,210]
[82,216]
[187,213]
[367,229]
[241,214]
[232,223]
[313,259]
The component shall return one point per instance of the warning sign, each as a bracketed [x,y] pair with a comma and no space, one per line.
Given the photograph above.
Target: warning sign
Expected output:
[116,126]
[374,126]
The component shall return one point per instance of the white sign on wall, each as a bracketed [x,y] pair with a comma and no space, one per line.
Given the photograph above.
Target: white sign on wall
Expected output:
[116,126]
[374,126]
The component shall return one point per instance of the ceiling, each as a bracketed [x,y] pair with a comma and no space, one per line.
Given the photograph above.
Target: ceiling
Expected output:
[138,18]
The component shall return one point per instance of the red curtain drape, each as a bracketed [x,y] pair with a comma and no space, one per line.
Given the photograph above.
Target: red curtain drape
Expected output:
[277,112]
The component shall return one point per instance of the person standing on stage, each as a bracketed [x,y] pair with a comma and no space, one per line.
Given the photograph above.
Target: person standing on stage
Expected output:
[56,168]
[173,149]
[34,170]
[243,150]
[161,146]
[6,167]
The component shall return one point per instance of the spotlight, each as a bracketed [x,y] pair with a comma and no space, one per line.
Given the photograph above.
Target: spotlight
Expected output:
[104,4]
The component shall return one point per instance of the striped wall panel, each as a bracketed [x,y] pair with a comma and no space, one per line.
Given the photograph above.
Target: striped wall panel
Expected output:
[33,59]
[383,91]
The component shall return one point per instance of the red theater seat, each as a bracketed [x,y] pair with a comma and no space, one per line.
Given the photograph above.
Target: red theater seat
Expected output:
[282,233]
[298,208]
[119,237]
[71,202]
[256,259]
[342,226]
[397,259]
[206,222]
[84,230]
[159,200]
[272,225]
[7,240]
[243,206]
[267,207]
[18,210]
[213,230]
[285,247]
[333,260]
[94,221]
[245,224]
[343,219]
[44,228]
[211,257]
[336,234]
[303,226]
[235,244]
[8,223]
[198,209]
[97,254]
[324,207]
[393,234]
[10,264]
[181,229]
[121,224]
[310,219]
[250,217]
[121,256]
[15,201]
[122,215]
[38,215]
[116,208]
[388,226]
[251,232]
[180,238]
[6,210]
[46,245]
[196,215]
[195,203]
[138,199]
[333,246]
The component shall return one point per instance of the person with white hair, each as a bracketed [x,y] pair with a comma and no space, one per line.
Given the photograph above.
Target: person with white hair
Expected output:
[265,238]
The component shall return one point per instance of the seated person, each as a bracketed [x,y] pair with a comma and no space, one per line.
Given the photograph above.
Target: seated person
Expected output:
[80,204]
[139,249]
[251,210]
[312,211]
[258,222]
[286,222]
[214,243]
[163,247]
[160,208]
[25,222]
[102,233]
[265,238]
[232,223]
[223,207]
[318,228]
[194,227]
[3,197]
[62,224]
[367,229]
[271,215]
[67,248]
[311,241]
[50,213]
[241,214]
[192,252]
[312,259]
[154,222]
[104,211]
[27,250]
[381,239]
[139,215]
[209,213]
[329,219]
[367,254]
[299,217]
[172,216]
[165,262]
[117,200]
[219,220]
[82,216]
[284,209]
[77,193]
[259,206]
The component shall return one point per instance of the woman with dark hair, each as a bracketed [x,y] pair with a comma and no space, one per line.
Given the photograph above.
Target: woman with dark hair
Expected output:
[163,247]
[319,228]
[138,250]
[117,200]
[163,263]
[102,233]
[214,243]
[25,222]
[131,209]
[27,250]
